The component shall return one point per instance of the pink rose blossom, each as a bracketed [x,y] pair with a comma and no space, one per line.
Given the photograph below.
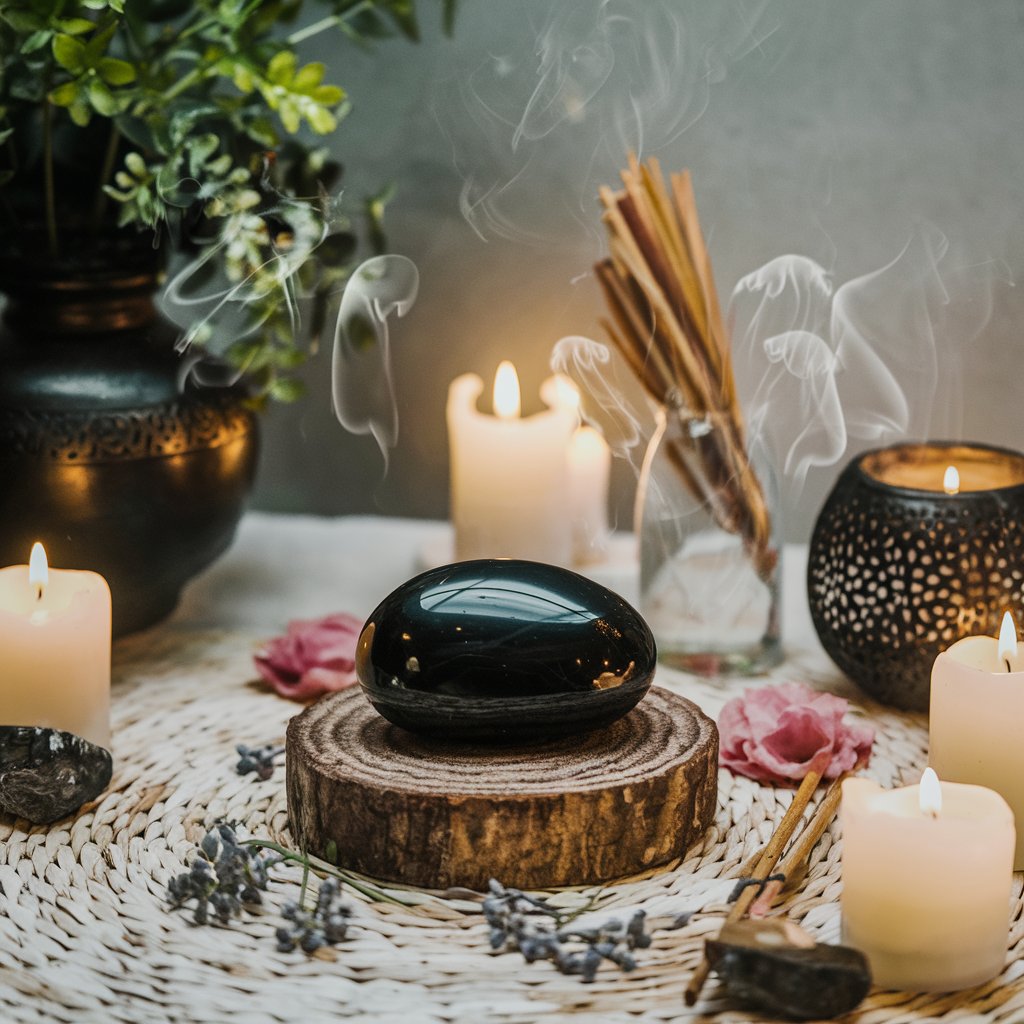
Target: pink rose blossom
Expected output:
[314,657]
[772,734]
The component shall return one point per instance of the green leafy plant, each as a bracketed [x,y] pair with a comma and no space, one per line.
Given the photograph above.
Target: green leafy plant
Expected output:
[201,124]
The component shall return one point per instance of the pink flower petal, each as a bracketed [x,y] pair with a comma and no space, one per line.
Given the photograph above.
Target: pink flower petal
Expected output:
[314,657]
[776,734]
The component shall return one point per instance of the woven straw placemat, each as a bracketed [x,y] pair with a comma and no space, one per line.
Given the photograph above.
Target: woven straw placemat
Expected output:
[85,934]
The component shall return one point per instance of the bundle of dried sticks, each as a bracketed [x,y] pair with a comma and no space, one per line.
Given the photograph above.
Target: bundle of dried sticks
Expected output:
[666,320]
[763,885]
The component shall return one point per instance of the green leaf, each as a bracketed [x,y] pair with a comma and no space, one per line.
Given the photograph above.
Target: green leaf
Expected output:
[321,120]
[309,77]
[80,111]
[287,390]
[281,69]
[261,131]
[135,164]
[115,72]
[22,21]
[36,41]
[403,13]
[69,53]
[75,26]
[243,79]
[97,46]
[328,95]
[64,95]
[289,117]
[5,134]
[102,98]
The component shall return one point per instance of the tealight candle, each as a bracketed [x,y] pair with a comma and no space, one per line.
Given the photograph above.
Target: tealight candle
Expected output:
[977,706]
[55,639]
[927,873]
[509,484]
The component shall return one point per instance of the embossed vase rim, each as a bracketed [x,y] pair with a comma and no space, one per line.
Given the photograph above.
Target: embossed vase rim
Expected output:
[96,287]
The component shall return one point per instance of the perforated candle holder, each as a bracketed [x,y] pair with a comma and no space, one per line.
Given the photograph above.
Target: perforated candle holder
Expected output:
[902,563]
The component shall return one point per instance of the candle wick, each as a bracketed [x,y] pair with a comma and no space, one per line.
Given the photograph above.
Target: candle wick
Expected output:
[39,591]
[1007,662]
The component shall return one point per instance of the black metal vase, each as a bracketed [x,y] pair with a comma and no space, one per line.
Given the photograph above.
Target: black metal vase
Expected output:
[104,456]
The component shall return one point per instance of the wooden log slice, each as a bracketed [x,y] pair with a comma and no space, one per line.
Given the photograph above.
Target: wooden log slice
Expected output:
[435,814]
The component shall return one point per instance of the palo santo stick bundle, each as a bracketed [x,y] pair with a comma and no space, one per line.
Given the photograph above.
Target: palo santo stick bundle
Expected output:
[666,320]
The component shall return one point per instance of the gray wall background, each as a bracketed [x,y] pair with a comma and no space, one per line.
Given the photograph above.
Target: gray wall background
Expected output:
[831,129]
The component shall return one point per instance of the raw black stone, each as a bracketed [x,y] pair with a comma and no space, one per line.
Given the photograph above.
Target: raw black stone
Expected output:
[45,774]
[502,649]
[778,968]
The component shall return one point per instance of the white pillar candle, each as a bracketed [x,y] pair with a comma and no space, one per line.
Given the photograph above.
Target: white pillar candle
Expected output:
[509,486]
[927,873]
[589,467]
[977,705]
[55,644]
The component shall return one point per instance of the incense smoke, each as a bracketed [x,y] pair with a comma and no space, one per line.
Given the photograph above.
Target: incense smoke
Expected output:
[363,395]
[551,117]
[824,370]
[363,389]
[224,308]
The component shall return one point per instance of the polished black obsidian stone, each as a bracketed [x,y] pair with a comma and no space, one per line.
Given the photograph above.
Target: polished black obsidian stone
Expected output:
[501,649]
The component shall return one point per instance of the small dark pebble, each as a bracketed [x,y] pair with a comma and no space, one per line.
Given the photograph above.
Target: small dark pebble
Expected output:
[46,774]
[776,967]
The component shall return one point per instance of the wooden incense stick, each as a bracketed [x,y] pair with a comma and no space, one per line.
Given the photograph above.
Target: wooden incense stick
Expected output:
[765,865]
[800,852]
[666,320]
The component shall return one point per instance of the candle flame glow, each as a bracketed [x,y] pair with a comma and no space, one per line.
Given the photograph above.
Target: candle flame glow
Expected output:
[507,402]
[38,570]
[567,395]
[951,480]
[585,445]
[930,793]
[1007,638]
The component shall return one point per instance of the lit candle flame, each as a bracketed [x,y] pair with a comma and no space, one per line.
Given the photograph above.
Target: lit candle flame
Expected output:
[951,480]
[930,793]
[506,392]
[1007,640]
[38,570]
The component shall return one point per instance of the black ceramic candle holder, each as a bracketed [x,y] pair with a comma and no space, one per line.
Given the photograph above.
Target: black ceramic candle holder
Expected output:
[899,569]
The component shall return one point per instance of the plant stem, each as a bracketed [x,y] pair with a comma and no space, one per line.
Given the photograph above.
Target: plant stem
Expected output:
[328,869]
[305,883]
[51,198]
[311,30]
[105,172]
[325,23]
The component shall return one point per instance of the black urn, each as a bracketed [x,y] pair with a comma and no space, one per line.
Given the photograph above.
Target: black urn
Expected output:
[105,456]
[503,650]
[905,560]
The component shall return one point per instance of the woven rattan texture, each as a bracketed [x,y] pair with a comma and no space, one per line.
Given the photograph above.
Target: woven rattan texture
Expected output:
[85,935]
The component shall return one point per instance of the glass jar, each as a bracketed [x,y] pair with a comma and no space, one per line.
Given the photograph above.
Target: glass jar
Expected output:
[707,517]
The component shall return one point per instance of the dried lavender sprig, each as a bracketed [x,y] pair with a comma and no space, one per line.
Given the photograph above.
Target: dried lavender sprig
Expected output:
[540,932]
[224,877]
[326,924]
[257,759]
